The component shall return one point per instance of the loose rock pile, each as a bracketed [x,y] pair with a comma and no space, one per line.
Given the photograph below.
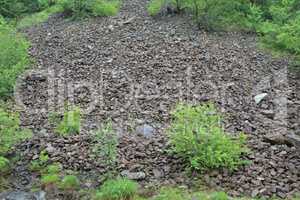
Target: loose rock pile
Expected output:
[139,71]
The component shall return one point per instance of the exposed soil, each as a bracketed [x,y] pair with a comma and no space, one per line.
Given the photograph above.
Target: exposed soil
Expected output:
[138,68]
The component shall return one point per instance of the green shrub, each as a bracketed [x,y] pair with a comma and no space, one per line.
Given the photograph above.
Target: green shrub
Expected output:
[83,8]
[4,165]
[41,163]
[70,182]
[17,8]
[219,14]
[210,14]
[196,135]
[120,189]
[52,179]
[71,123]
[38,17]
[13,58]
[10,131]
[155,7]
[281,32]
[54,168]
[219,196]
[105,144]
[105,8]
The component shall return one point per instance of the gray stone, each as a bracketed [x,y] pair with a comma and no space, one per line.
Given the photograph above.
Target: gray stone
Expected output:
[268,113]
[258,98]
[294,139]
[20,195]
[145,130]
[133,175]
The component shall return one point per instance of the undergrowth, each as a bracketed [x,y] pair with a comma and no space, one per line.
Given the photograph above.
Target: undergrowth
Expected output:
[70,123]
[197,135]
[119,189]
[4,165]
[40,164]
[105,144]
[39,17]
[10,131]
[84,8]
[13,58]
[18,8]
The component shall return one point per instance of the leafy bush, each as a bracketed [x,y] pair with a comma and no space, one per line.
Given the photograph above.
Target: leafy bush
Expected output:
[155,7]
[173,6]
[41,163]
[83,8]
[38,17]
[210,14]
[13,58]
[54,168]
[10,131]
[105,144]
[119,189]
[52,179]
[70,124]
[196,135]
[70,182]
[16,8]
[282,30]
[4,165]
[216,14]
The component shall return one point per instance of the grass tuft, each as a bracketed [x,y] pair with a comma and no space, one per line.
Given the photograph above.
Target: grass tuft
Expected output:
[38,17]
[119,189]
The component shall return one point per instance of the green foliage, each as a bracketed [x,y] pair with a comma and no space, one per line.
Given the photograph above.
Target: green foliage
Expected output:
[17,8]
[83,8]
[105,8]
[119,189]
[105,144]
[71,123]
[52,179]
[13,58]
[196,135]
[155,7]
[39,17]
[4,165]
[10,131]
[216,14]
[282,30]
[41,163]
[177,194]
[171,193]
[254,17]
[54,168]
[70,182]
[219,196]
